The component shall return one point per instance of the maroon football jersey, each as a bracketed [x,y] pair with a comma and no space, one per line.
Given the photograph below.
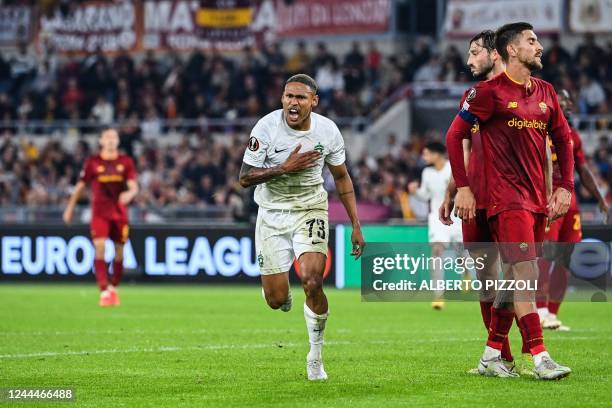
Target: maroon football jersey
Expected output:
[579,157]
[108,179]
[514,120]
[476,169]
[579,160]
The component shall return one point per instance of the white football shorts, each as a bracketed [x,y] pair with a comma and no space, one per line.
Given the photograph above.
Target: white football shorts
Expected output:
[283,235]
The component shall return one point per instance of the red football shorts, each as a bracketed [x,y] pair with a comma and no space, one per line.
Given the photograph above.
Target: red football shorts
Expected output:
[519,234]
[478,230]
[117,230]
[565,229]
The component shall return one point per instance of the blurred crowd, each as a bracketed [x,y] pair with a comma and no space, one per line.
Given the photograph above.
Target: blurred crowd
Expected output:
[202,174]
[143,92]
[212,85]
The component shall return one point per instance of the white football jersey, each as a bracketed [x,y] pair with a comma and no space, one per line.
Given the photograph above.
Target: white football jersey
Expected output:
[433,188]
[271,142]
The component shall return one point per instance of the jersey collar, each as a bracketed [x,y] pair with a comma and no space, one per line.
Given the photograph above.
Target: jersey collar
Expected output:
[517,82]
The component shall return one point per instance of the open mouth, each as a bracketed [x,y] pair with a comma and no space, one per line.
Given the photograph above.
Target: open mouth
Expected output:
[293,114]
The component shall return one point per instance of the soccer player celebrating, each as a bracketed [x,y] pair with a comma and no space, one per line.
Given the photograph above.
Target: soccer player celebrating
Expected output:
[284,158]
[434,180]
[113,185]
[515,112]
[566,231]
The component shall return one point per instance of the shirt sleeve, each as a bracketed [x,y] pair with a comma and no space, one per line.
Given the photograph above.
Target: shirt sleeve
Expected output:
[478,105]
[87,173]
[561,137]
[459,130]
[423,192]
[130,169]
[337,155]
[579,156]
[257,147]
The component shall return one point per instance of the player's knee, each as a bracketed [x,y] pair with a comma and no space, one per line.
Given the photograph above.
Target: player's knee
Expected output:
[312,284]
[275,300]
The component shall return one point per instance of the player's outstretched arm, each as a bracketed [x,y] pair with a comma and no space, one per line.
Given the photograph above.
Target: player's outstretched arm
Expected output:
[588,181]
[74,197]
[250,176]
[344,187]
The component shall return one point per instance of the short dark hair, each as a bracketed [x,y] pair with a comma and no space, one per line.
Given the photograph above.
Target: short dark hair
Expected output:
[306,80]
[487,37]
[506,34]
[436,147]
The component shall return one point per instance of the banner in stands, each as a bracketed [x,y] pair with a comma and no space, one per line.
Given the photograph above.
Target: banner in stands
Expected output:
[323,17]
[153,254]
[15,24]
[92,27]
[593,16]
[465,18]
[184,25]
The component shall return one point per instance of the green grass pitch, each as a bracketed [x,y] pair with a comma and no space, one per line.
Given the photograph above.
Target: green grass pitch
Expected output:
[221,346]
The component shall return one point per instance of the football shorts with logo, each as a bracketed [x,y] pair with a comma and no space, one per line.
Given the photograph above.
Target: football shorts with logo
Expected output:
[519,234]
[283,235]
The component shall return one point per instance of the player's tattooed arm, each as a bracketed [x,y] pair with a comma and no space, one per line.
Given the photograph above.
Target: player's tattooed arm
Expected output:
[250,176]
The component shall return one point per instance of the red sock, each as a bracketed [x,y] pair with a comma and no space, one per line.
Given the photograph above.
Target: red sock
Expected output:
[525,346]
[533,331]
[485,311]
[501,321]
[117,272]
[101,273]
[544,271]
[558,285]
[506,351]
[553,307]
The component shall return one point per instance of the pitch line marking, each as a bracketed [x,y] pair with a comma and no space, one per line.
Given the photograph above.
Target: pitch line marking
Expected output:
[166,349]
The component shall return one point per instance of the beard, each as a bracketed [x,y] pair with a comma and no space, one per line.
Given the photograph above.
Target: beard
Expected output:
[532,64]
[484,71]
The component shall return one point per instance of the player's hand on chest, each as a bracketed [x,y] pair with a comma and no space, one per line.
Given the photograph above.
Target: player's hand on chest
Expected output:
[281,149]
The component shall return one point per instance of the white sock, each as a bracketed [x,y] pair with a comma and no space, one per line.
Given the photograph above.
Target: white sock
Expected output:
[437,275]
[542,312]
[316,327]
[491,353]
[537,359]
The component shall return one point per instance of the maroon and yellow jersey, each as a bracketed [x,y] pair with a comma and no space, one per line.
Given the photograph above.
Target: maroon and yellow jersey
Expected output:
[108,179]
[514,121]
[476,169]
[579,160]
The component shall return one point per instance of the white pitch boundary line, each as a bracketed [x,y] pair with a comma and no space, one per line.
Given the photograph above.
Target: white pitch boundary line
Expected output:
[166,349]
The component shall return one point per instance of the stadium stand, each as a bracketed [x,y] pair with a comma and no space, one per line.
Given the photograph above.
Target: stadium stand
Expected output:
[42,95]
